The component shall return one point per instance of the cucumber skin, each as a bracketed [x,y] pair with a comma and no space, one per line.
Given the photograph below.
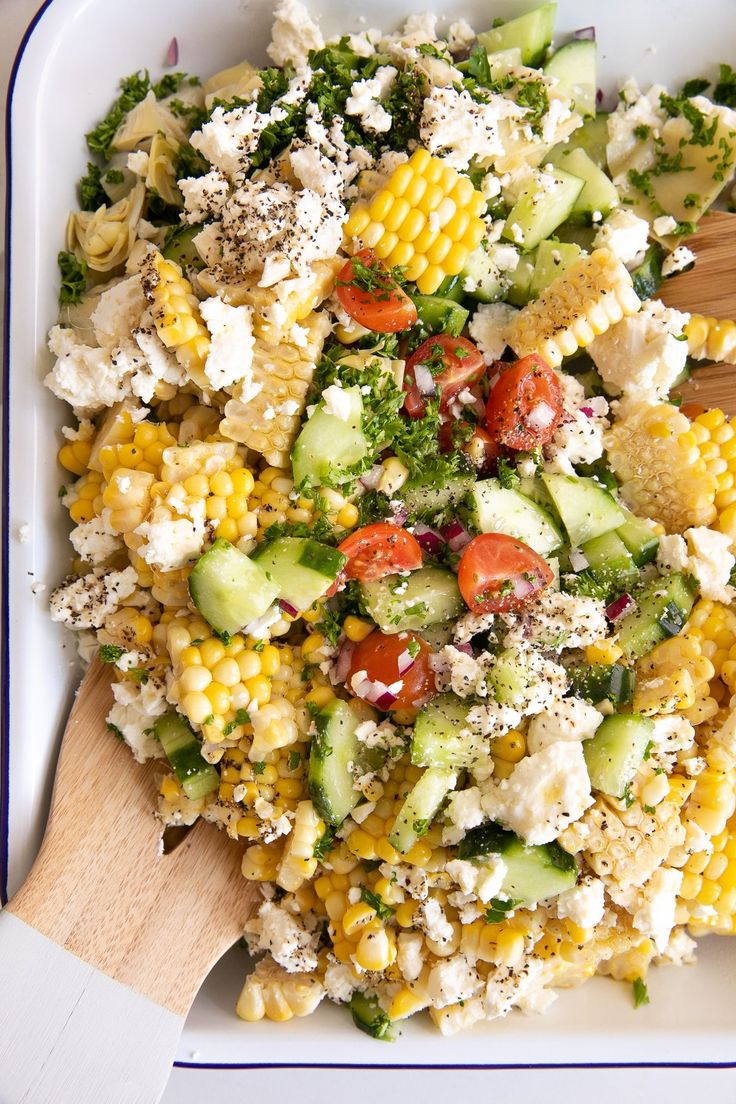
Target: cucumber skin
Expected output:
[183,750]
[438,315]
[611,764]
[643,628]
[491,838]
[207,589]
[600,681]
[369,1017]
[420,807]
[324,751]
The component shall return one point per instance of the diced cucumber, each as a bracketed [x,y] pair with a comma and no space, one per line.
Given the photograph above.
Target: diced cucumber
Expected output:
[531,486]
[647,277]
[438,739]
[369,1017]
[184,752]
[638,537]
[508,678]
[575,66]
[438,635]
[546,201]
[531,33]
[480,268]
[421,806]
[439,315]
[574,233]
[180,248]
[585,508]
[451,288]
[663,607]
[328,446]
[229,589]
[613,755]
[334,748]
[520,280]
[553,258]
[498,510]
[603,681]
[425,498]
[610,561]
[533,872]
[592,137]
[302,569]
[598,196]
[400,603]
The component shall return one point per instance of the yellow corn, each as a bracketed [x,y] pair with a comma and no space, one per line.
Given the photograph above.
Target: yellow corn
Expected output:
[675,676]
[711,339]
[175,310]
[85,498]
[74,456]
[298,863]
[426,219]
[580,304]
[715,436]
[273,993]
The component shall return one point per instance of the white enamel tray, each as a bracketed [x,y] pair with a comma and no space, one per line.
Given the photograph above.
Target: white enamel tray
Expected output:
[66,76]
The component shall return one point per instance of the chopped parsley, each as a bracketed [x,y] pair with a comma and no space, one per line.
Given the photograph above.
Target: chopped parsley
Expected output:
[508,476]
[497,909]
[330,624]
[373,278]
[641,993]
[73,278]
[110,653]
[171,83]
[258,768]
[725,89]
[293,760]
[133,89]
[383,912]
[91,193]
[413,648]
[115,731]
[324,844]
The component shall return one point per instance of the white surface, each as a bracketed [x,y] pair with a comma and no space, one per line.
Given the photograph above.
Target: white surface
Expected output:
[84,1039]
[592,1024]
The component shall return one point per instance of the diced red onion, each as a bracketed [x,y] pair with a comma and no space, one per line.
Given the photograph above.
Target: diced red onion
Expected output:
[287,608]
[541,416]
[399,514]
[172,54]
[523,587]
[466,649]
[620,606]
[385,701]
[405,661]
[585,33]
[376,692]
[429,540]
[599,97]
[344,659]
[587,411]
[578,560]
[424,380]
[456,535]
[372,478]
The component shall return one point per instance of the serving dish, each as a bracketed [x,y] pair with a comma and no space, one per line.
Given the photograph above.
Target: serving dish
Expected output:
[60,64]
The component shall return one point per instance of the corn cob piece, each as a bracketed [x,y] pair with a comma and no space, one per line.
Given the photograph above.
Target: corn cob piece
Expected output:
[426,220]
[579,305]
[298,862]
[675,677]
[715,436]
[654,452]
[175,310]
[708,892]
[272,993]
[711,339]
[268,423]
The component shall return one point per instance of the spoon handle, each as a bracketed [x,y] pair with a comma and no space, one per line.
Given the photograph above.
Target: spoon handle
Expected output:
[69,1034]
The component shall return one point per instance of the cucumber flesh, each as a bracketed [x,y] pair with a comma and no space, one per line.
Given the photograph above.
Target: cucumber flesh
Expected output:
[368,1016]
[638,537]
[603,681]
[400,603]
[328,446]
[575,233]
[553,258]
[437,315]
[498,510]
[531,33]
[647,277]
[181,249]
[663,607]
[229,589]
[546,202]
[531,486]
[534,872]
[184,752]
[610,561]
[426,499]
[520,281]
[598,196]
[586,509]
[613,755]
[488,284]
[438,739]
[451,288]
[509,678]
[592,137]
[575,66]
[334,748]
[301,568]
[421,807]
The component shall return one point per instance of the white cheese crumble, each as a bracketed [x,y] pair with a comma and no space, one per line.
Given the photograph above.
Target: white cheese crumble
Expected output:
[89,379]
[365,98]
[657,900]
[85,601]
[204,196]
[230,357]
[678,259]
[136,706]
[286,938]
[489,326]
[293,35]
[664,225]
[558,620]
[705,554]
[452,980]
[481,880]
[584,904]
[566,719]
[94,541]
[171,543]
[137,163]
[410,955]
[642,355]
[456,127]
[337,402]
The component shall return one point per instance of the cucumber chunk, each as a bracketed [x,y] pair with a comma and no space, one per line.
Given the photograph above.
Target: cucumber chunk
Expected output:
[520,280]
[613,755]
[647,277]
[546,202]
[399,603]
[302,569]
[368,1016]
[553,258]
[184,752]
[334,748]
[489,285]
[531,486]
[533,872]
[575,66]
[425,498]
[421,807]
[451,288]
[531,33]
[181,249]
[509,678]
[610,561]
[598,196]
[328,446]
[603,681]
[663,607]
[592,137]
[439,315]
[229,589]
[575,233]
[585,508]
[638,537]
[438,739]
[498,510]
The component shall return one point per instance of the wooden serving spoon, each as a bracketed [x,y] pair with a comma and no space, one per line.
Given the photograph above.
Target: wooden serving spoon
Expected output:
[104,947]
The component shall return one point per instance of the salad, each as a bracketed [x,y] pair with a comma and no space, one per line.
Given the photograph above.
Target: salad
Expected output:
[412,574]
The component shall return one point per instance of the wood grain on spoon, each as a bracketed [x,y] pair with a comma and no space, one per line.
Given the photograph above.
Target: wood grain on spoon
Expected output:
[101,886]
[709,288]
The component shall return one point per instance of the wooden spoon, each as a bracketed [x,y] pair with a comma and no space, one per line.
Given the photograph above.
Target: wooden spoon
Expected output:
[104,947]
[709,288]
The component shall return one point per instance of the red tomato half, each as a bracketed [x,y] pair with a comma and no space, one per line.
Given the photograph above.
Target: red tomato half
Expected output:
[378,550]
[476,443]
[454,363]
[525,404]
[499,573]
[383,658]
[371,296]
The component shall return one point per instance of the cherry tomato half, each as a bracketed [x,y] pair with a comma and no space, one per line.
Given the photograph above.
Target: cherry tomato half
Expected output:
[499,573]
[370,295]
[454,363]
[525,404]
[474,441]
[383,658]
[378,550]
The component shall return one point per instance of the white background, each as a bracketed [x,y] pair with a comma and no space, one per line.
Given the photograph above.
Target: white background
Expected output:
[308,1086]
